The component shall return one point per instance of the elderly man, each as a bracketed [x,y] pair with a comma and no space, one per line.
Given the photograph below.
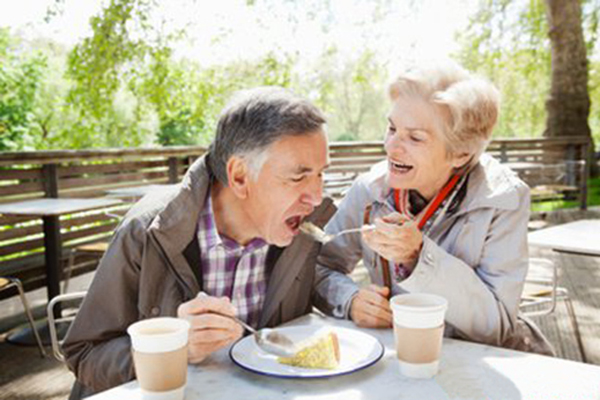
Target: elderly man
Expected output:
[229,232]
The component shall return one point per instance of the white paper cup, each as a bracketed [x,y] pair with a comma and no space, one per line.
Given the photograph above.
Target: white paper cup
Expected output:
[159,347]
[418,332]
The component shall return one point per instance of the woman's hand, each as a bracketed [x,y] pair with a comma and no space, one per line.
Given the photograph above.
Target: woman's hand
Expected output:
[209,331]
[396,238]
[370,308]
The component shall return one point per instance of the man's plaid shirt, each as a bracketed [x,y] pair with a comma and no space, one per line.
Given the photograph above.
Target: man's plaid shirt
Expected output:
[232,270]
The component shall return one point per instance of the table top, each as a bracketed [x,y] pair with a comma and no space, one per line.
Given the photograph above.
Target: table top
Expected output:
[54,207]
[519,165]
[467,371]
[582,237]
[138,191]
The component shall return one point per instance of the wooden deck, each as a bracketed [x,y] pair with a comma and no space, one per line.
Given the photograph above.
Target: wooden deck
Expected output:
[25,376]
[580,275]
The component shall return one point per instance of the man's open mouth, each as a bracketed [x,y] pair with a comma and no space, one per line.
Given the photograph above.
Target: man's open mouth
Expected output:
[294,222]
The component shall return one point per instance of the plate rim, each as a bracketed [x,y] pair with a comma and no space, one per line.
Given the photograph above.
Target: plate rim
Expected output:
[320,376]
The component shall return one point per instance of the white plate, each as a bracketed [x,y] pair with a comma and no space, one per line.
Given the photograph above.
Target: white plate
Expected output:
[358,350]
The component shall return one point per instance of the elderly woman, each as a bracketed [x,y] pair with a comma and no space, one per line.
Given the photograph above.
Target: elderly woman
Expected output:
[447,219]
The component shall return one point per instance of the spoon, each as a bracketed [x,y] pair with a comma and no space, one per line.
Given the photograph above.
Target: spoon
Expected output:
[319,234]
[267,339]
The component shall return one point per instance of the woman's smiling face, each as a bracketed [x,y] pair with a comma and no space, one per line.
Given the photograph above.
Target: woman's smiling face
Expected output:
[414,143]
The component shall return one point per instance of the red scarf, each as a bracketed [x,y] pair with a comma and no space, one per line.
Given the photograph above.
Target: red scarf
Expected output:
[402,206]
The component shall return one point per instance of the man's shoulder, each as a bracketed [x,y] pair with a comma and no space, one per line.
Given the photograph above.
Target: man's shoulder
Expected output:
[176,205]
[145,210]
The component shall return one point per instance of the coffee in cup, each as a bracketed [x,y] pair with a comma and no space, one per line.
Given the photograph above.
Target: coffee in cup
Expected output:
[418,332]
[159,347]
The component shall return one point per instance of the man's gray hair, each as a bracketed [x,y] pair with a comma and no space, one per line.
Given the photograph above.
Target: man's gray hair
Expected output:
[256,118]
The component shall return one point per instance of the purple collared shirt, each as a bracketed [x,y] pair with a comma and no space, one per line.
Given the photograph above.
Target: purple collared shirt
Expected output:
[232,270]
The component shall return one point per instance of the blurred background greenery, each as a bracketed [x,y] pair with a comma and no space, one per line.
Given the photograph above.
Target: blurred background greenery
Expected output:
[128,83]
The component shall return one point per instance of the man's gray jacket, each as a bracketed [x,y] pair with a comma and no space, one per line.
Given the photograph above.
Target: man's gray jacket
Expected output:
[153,265]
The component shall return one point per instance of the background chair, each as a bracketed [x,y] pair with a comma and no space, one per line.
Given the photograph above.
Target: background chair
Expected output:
[96,249]
[541,294]
[7,283]
[64,322]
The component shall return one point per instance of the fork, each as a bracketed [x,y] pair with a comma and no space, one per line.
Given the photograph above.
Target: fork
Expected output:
[319,234]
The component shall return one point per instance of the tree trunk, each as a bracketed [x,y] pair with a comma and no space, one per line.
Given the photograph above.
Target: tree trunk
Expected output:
[568,105]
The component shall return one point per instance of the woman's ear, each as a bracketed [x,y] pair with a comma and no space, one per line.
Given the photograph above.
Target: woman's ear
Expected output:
[461,160]
[238,175]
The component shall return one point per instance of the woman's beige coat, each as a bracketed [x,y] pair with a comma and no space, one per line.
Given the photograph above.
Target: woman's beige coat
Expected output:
[476,257]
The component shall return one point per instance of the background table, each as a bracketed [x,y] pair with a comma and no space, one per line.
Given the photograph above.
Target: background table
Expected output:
[580,237]
[50,210]
[138,191]
[467,371]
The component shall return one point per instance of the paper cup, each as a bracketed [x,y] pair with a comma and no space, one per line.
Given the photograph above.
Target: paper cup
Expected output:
[159,347]
[418,332]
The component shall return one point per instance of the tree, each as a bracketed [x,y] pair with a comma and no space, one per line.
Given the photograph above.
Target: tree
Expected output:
[123,44]
[506,42]
[20,81]
[568,104]
[535,51]
[127,86]
[126,54]
[351,92]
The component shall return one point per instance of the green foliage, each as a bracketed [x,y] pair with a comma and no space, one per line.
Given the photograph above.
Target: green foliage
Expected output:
[507,41]
[94,63]
[351,93]
[20,79]
[183,98]
[123,86]
[102,66]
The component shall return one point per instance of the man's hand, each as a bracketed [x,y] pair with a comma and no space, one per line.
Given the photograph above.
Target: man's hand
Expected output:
[371,309]
[209,331]
[397,239]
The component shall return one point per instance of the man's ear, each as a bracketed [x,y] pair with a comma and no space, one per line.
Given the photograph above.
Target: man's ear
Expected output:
[238,175]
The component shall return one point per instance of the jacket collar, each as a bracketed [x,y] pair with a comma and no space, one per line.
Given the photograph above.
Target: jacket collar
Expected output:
[174,228]
[492,185]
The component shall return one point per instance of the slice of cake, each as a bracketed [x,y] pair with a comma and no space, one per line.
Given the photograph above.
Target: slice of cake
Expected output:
[321,351]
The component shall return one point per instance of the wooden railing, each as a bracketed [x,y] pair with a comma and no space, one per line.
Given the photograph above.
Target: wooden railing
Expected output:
[79,174]
[558,165]
[552,167]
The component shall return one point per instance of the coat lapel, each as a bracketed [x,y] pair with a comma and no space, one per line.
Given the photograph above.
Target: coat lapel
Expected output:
[286,269]
[175,227]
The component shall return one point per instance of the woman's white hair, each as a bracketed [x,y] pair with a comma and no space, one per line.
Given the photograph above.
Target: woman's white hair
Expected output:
[467,104]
